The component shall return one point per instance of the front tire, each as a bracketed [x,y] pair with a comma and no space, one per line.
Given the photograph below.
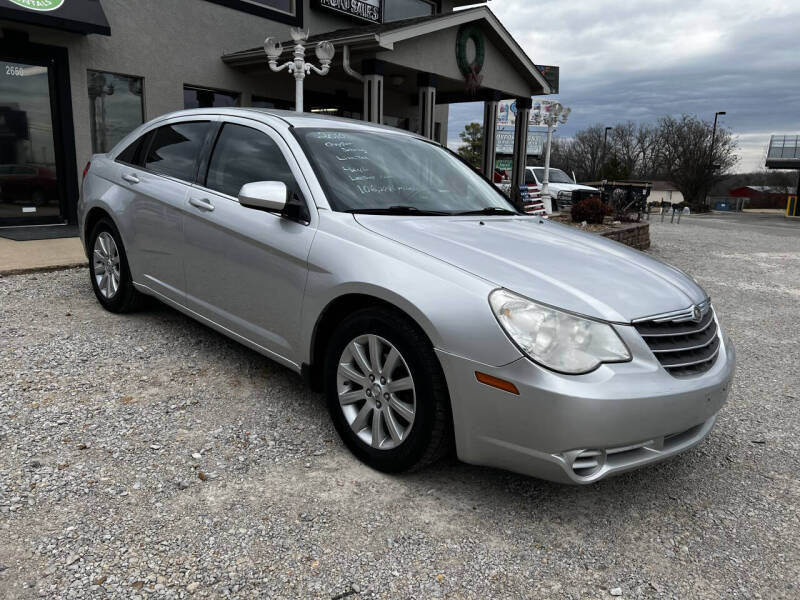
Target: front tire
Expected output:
[109,270]
[386,391]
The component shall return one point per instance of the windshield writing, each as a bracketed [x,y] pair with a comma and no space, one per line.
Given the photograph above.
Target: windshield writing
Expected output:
[364,171]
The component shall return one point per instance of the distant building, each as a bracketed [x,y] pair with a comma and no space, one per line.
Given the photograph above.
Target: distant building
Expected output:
[665,191]
[761,196]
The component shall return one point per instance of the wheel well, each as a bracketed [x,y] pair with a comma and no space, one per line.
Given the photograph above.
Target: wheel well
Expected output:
[91,220]
[334,314]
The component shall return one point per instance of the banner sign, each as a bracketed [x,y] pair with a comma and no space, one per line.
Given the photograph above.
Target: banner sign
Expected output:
[505,140]
[365,10]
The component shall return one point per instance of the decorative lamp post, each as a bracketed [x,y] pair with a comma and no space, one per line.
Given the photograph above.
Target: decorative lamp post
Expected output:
[557,115]
[299,67]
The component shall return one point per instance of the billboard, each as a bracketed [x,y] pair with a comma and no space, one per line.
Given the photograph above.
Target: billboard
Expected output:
[506,123]
[505,140]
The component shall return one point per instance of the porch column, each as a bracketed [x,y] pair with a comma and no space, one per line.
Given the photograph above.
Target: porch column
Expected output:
[373,91]
[427,104]
[489,137]
[524,106]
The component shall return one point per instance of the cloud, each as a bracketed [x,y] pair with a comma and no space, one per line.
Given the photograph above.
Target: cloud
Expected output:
[641,59]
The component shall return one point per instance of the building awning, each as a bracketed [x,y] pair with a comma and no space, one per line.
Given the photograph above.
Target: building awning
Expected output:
[386,38]
[79,16]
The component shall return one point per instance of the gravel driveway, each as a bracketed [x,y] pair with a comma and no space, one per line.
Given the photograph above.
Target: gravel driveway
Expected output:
[145,456]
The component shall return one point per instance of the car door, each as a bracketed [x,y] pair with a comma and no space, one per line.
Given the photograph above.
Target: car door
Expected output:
[246,269]
[159,190]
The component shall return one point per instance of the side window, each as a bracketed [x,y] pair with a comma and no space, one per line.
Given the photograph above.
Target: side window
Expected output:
[244,155]
[175,149]
[132,155]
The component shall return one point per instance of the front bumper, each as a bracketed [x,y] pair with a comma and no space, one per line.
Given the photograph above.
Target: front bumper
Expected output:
[579,429]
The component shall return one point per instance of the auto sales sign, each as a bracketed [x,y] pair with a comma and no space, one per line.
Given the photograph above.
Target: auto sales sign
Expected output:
[39,4]
[365,10]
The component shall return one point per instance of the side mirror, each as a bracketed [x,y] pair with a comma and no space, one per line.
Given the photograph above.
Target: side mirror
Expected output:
[264,195]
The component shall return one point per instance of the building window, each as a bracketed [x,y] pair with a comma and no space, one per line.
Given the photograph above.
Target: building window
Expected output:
[396,10]
[116,108]
[262,102]
[195,97]
[284,11]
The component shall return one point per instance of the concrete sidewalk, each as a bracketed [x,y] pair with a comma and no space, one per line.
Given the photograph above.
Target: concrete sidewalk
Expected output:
[40,255]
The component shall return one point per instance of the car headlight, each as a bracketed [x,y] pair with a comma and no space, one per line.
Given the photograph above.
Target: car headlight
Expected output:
[555,339]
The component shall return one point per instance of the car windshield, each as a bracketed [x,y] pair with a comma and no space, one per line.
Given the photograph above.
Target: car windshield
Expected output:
[556,175]
[390,173]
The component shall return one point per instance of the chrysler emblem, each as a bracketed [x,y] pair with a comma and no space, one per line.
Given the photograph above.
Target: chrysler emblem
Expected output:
[697,314]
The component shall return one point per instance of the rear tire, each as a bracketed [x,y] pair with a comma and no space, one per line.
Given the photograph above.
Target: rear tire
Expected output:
[408,395]
[109,271]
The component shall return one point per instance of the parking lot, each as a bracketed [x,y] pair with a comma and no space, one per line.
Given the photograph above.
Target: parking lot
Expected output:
[147,456]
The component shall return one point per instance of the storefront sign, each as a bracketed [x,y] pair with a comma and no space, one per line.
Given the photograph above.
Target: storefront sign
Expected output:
[505,140]
[39,4]
[366,10]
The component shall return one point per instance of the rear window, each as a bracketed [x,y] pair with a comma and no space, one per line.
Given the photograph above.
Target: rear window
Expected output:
[176,148]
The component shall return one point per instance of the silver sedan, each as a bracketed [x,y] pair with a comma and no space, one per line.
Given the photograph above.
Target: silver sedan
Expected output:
[395,278]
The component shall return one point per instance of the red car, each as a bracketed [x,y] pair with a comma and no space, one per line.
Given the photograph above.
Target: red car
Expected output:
[28,184]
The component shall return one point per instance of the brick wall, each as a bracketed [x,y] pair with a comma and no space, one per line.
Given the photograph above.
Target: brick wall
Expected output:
[635,235]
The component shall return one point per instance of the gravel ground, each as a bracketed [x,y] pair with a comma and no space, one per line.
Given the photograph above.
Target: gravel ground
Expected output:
[146,456]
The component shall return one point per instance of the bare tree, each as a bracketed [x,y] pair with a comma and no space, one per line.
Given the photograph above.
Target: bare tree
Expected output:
[623,149]
[686,158]
[647,150]
[587,152]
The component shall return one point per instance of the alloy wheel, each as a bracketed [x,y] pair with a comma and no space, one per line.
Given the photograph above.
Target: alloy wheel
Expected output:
[106,263]
[376,392]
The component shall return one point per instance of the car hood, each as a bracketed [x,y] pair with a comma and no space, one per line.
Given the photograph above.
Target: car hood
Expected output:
[545,261]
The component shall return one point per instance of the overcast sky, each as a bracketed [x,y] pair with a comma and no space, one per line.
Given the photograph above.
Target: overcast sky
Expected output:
[639,59]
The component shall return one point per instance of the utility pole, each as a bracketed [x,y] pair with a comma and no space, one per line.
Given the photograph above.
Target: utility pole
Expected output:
[714,137]
[605,142]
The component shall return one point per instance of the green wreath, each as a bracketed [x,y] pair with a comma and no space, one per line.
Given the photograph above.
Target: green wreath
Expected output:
[466,33]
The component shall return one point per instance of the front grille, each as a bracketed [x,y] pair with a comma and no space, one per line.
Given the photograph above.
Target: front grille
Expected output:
[682,345]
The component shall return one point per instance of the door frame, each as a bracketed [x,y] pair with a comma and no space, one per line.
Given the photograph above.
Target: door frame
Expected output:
[56,58]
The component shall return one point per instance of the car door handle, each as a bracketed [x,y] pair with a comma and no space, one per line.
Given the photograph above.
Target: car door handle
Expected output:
[131,178]
[202,204]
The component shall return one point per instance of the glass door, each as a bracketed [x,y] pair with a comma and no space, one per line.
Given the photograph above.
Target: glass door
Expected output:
[29,188]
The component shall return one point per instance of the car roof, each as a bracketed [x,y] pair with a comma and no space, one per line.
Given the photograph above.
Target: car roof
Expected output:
[290,118]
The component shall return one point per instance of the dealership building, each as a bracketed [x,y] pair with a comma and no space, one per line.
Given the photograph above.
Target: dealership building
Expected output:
[78,75]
